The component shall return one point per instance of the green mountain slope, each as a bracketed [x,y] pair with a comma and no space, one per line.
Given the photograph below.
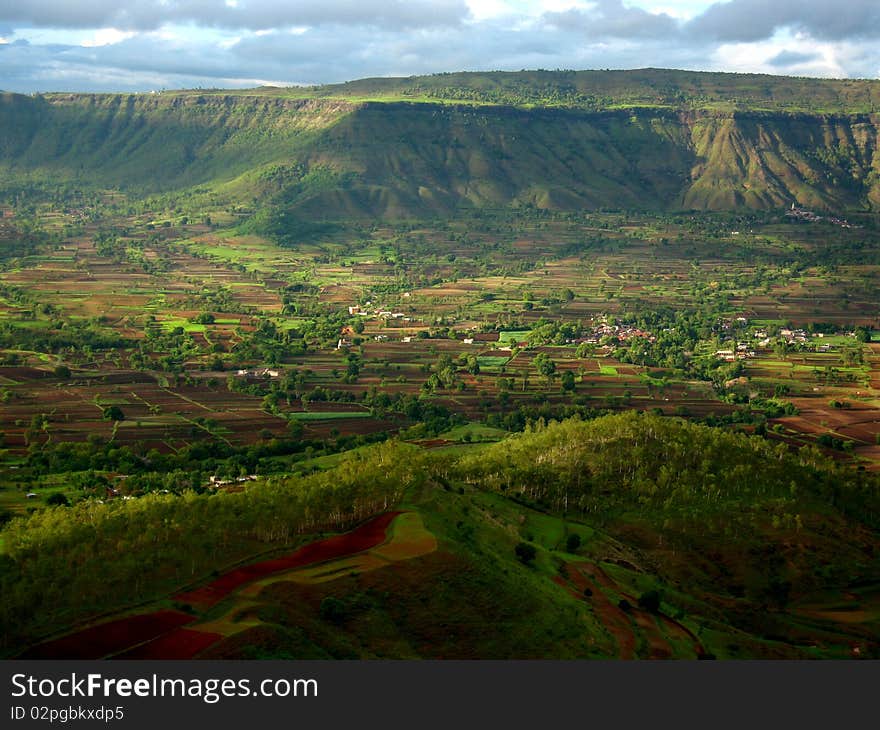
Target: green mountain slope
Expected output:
[153,142]
[627,536]
[472,140]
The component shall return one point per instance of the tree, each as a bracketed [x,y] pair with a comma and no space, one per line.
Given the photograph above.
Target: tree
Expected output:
[545,366]
[113,413]
[525,553]
[62,371]
[568,383]
[295,429]
[650,601]
[572,543]
[57,499]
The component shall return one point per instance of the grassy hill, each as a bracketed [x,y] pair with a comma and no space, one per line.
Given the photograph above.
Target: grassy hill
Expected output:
[626,536]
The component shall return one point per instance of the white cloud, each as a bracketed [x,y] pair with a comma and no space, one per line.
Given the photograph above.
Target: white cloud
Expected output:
[485,9]
[106,37]
[107,45]
[794,54]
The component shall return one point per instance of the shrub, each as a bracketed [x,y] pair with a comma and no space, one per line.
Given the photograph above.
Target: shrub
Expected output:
[650,601]
[332,610]
[525,553]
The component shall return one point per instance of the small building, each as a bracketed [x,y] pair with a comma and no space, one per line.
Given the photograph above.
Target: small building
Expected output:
[259,373]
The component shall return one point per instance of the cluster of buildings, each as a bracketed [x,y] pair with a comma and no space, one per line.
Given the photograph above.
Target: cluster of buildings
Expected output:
[761,338]
[623,333]
[258,374]
[811,217]
[793,336]
[356,310]
[216,482]
[742,352]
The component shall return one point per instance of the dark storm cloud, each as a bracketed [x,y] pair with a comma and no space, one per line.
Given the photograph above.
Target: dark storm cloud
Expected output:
[611,19]
[755,20]
[243,15]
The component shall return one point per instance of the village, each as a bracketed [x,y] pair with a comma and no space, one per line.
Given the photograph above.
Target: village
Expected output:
[809,216]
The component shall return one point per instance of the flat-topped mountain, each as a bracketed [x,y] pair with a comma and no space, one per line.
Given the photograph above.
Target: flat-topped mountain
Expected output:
[649,139]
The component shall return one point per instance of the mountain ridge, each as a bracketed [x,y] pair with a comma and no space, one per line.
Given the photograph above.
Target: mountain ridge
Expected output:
[398,157]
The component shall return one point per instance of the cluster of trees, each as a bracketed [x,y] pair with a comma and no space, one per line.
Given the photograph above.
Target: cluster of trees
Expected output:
[66,563]
[83,336]
[188,467]
[620,462]
[686,481]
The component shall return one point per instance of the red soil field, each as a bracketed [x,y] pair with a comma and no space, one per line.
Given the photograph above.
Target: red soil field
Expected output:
[159,635]
[177,644]
[98,641]
[368,535]
[616,622]
[658,646]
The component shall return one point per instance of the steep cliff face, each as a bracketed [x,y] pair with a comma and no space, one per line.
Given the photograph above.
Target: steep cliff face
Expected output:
[156,142]
[409,156]
[332,157]
[768,160]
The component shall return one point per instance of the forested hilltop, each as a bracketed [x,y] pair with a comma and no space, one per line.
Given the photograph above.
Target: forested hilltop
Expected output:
[403,148]
[712,543]
[596,90]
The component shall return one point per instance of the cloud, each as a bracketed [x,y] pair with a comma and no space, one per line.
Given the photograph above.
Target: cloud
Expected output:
[612,19]
[786,59]
[104,45]
[753,20]
[106,37]
[242,15]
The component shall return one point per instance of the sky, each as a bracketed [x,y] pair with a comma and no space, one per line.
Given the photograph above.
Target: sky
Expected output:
[113,45]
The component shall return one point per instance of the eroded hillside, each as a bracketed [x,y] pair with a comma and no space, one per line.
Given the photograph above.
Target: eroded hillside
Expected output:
[327,156]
